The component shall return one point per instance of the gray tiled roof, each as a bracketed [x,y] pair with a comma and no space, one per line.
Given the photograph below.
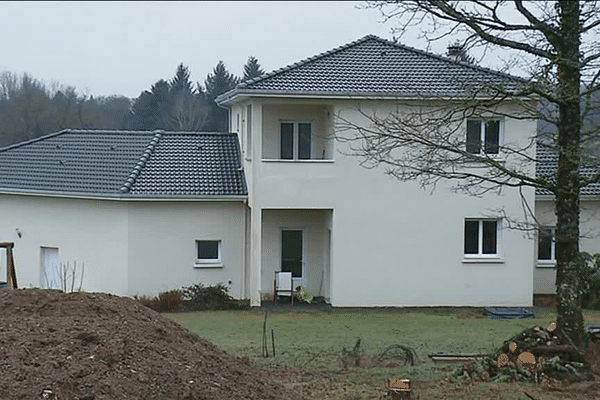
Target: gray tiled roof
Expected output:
[547,161]
[125,164]
[373,66]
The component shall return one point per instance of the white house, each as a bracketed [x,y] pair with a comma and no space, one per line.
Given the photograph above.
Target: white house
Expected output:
[356,236]
[151,211]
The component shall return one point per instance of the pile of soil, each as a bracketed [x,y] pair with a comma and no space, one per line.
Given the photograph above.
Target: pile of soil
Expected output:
[85,346]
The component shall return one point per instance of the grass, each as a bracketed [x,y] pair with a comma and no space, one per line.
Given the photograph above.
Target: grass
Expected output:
[312,341]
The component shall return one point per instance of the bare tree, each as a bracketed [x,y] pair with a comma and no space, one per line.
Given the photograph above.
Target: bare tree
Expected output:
[187,112]
[432,141]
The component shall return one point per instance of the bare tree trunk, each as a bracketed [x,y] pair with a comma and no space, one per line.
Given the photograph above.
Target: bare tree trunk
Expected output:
[570,318]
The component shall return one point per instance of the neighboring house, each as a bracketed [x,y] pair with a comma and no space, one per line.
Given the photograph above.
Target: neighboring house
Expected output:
[589,222]
[152,211]
[143,211]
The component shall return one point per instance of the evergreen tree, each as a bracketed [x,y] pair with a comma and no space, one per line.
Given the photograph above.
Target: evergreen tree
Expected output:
[217,83]
[181,81]
[150,109]
[252,69]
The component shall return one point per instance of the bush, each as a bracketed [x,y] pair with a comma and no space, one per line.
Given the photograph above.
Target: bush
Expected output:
[170,301]
[199,297]
[147,301]
[194,298]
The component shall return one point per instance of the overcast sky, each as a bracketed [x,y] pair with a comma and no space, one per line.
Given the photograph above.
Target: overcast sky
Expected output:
[105,48]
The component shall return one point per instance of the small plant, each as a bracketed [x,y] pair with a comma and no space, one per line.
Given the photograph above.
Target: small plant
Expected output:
[68,276]
[304,295]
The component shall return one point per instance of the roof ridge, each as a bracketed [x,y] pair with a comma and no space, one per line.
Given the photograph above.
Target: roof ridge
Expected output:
[37,139]
[135,173]
[445,59]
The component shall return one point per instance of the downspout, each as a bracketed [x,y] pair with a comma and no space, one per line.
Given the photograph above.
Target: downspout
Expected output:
[245,255]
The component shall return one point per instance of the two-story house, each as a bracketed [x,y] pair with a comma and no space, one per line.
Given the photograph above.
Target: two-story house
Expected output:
[354,235]
[152,211]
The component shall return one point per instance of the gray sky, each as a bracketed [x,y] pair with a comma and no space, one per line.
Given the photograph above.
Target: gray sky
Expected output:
[105,48]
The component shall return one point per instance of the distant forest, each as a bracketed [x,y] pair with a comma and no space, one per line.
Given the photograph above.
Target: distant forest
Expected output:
[30,108]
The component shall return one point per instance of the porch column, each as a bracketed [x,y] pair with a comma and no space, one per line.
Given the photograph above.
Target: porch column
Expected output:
[255,255]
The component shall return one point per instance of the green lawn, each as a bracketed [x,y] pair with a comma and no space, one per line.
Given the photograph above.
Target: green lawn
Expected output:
[313,340]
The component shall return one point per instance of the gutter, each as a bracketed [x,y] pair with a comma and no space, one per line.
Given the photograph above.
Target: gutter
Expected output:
[550,197]
[344,95]
[124,197]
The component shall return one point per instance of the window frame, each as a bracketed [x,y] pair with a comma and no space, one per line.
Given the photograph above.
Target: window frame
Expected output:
[481,256]
[482,142]
[296,140]
[208,262]
[551,262]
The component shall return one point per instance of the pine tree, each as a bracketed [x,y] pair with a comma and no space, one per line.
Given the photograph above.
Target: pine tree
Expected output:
[217,83]
[252,69]
[181,81]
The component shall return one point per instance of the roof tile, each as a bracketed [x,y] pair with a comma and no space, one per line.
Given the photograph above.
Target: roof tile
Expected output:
[125,163]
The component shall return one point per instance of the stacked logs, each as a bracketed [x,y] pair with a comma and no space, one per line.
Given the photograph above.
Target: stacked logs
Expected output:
[535,354]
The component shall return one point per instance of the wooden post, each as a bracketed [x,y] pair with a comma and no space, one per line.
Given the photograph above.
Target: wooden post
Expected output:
[11,274]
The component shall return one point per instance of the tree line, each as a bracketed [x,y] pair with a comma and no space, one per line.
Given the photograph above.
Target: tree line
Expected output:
[29,108]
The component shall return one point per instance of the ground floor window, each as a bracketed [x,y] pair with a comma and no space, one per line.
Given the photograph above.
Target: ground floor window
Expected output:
[546,247]
[481,237]
[208,251]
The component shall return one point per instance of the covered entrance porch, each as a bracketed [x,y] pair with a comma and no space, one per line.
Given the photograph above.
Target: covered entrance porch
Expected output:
[296,241]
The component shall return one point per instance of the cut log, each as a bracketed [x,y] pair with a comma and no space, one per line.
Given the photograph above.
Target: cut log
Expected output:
[512,347]
[551,327]
[526,359]
[502,360]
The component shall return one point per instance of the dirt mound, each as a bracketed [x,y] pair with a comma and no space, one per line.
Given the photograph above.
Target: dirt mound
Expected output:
[55,345]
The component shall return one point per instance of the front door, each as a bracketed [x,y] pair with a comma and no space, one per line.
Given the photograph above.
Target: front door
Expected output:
[291,255]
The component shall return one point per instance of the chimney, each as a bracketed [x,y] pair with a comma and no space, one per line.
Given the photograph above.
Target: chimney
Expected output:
[455,52]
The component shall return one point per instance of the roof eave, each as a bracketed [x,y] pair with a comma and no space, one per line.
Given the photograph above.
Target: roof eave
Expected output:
[583,197]
[122,197]
[247,93]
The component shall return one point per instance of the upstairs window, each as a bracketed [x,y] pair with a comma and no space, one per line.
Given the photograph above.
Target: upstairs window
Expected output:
[483,136]
[481,237]
[295,140]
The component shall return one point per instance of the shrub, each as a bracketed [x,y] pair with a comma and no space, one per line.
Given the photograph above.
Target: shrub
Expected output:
[170,301]
[194,298]
[145,300]
[199,297]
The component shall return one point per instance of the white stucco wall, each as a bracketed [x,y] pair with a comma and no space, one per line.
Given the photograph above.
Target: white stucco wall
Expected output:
[128,248]
[90,232]
[162,245]
[393,243]
[589,229]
